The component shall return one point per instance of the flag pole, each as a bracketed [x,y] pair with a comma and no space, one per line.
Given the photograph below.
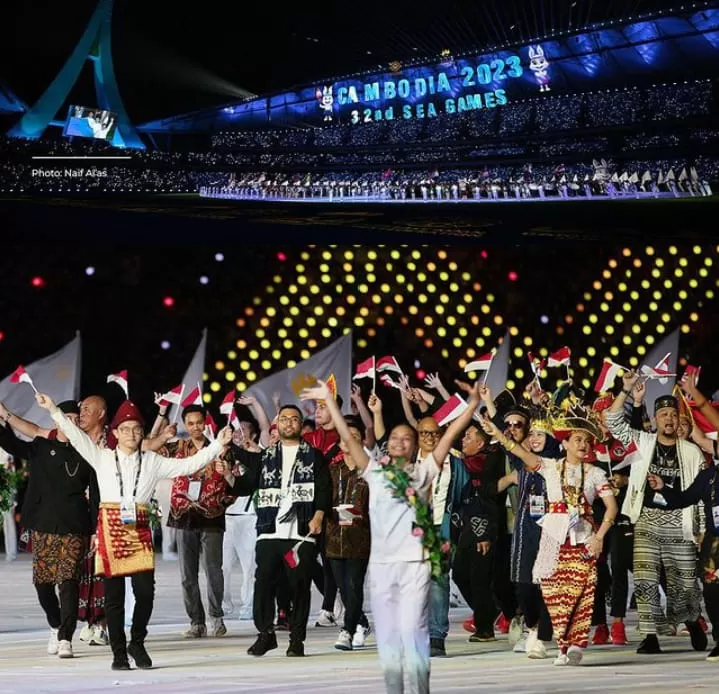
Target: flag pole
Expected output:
[179,404]
[374,373]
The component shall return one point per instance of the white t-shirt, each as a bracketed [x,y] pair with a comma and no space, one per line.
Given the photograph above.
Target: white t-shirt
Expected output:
[286,530]
[391,519]
[440,489]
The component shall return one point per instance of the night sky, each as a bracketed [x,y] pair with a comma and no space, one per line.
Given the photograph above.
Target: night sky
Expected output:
[172,57]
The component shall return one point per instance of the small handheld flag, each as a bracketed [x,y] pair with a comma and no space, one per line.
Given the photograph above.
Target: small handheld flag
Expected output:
[22,376]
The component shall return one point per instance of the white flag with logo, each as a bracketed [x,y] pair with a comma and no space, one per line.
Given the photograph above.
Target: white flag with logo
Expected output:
[335,359]
[58,375]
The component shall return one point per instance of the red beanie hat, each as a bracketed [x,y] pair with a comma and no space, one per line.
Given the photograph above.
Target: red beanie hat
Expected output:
[127,412]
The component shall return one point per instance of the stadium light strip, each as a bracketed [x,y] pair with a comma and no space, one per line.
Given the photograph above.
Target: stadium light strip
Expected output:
[82,157]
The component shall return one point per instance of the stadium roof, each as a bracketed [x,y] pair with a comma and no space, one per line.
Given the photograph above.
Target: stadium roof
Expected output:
[172,58]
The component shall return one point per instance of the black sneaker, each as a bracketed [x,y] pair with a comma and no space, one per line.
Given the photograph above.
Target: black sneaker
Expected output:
[137,652]
[266,641]
[697,636]
[436,648]
[296,649]
[650,645]
[121,663]
[713,657]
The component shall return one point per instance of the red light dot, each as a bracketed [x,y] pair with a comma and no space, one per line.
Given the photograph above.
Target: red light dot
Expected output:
[168,301]
[281,256]
[484,254]
[513,276]
[2,335]
[38,282]
[421,375]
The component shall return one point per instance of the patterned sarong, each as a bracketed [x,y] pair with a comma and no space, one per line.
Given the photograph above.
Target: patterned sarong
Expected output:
[569,596]
[57,558]
[123,548]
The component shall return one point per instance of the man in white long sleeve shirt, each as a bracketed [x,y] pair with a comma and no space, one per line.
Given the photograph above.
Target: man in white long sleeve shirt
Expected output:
[127,477]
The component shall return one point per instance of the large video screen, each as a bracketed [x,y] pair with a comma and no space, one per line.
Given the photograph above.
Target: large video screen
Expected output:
[83,121]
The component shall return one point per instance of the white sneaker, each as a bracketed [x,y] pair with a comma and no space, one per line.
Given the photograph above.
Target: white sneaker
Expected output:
[217,627]
[326,619]
[575,655]
[515,630]
[561,660]
[64,649]
[521,645]
[344,641]
[361,633]
[99,636]
[52,642]
[536,650]
[86,633]
[196,631]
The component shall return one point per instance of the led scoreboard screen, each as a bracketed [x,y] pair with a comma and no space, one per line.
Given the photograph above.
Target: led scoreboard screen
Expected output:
[453,86]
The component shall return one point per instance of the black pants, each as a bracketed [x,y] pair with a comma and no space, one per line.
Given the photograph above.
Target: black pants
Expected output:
[501,575]
[328,586]
[711,600]
[62,614]
[621,555]
[604,583]
[350,574]
[270,561]
[143,586]
[531,603]
[472,572]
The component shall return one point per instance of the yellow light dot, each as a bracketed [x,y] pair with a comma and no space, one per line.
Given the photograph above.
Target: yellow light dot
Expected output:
[214,386]
[265,344]
[593,318]
[661,328]
[614,351]
[479,342]
[266,364]
[305,354]
[251,376]
[528,341]
[311,321]
[672,250]
[511,385]
[694,317]
[244,365]
[276,354]
[485,309]
[587,330]
[241,344]
[591,351]
[318,310]
[457,342]
[359,321]
[206,398]
[686,329]
[641,350]
[219,365]
[627,340]
[609,329]
[486,332]
[650,339]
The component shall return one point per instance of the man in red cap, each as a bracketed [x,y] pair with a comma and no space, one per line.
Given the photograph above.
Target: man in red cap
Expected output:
[127,477]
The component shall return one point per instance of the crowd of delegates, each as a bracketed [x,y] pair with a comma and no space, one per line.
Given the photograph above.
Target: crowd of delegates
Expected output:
[548,502]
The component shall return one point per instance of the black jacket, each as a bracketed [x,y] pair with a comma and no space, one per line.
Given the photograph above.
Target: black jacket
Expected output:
[55,500]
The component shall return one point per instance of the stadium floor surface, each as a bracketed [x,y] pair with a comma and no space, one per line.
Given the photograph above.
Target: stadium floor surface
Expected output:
[136,219]
[214,666]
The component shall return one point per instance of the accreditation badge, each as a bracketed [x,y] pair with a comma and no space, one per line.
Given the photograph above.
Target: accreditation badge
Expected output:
[715,516]
[128,511]
[536,506]
[194,489]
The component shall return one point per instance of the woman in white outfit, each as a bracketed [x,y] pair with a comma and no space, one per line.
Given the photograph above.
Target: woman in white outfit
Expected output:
[399,572]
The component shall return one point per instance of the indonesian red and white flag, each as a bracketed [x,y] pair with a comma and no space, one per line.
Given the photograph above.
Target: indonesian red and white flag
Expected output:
[561,357]
[210,427]
[632,455]
[228,403]
[234,420]
[702,422]
[173,396]
[292,556]
[661,371]
[605,380]
[481,364]
[451,409]
[388,364]
[365,369]
[387,381]
[194,397]
[121,380]
[536,364]
[22,376]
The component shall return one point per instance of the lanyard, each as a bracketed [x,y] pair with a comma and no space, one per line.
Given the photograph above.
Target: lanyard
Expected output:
[119,475]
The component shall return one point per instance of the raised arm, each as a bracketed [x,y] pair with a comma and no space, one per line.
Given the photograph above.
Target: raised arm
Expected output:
[79,440]
[322,392]
[23,426]
[531,460]
[433,381]
[365,416]
[457,426]
[375,406]
[260,415]
[167,468]
[13,445]
[701,402]
[156,442]
[407,407]
[618,427]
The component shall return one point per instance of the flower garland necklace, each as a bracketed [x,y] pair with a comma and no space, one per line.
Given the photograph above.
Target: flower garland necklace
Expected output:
[398,481]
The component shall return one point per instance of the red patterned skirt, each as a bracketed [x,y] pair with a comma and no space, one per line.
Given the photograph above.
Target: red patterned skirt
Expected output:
[91,607]
[123,549]
[569,596]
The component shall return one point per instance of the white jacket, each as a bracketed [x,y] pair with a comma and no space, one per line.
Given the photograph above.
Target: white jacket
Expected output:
[691,461]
